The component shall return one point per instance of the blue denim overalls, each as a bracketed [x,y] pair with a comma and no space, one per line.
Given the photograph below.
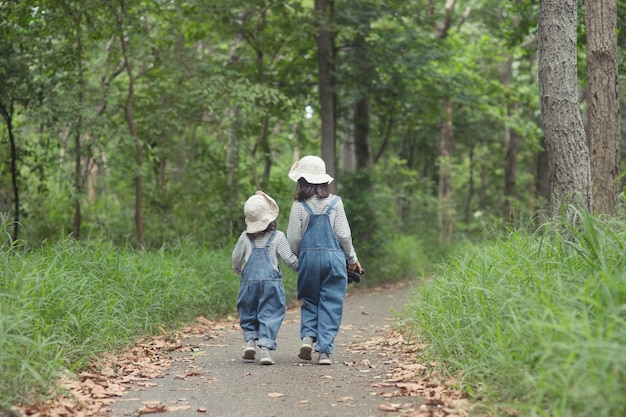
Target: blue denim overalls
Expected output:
[261,301]
[322,280]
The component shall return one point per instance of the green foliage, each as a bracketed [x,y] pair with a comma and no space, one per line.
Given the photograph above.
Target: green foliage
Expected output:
[394,229]
[534,322]
[225,96]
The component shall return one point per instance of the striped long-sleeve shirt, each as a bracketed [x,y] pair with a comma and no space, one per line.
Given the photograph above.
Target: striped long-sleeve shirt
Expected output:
[279,249]
[299,220]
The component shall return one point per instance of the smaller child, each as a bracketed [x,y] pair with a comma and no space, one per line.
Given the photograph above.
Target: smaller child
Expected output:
[261,302]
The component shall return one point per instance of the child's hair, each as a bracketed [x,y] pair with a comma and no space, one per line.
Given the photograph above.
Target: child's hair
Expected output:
[306,190]
[270,228]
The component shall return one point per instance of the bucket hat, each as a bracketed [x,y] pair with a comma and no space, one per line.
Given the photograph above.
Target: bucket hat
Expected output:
[312,169]
[260,210]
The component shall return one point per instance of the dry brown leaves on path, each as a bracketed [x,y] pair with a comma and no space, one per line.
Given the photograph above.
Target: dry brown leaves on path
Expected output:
[89,393]
[410,378]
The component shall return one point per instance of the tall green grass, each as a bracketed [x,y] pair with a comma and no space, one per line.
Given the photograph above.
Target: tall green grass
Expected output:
[63,304]
[534,322]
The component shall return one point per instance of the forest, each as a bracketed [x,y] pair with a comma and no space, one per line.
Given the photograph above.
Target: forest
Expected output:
[133,132]
[142,122]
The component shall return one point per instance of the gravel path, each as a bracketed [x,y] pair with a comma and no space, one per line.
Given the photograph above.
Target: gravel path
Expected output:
[207,375]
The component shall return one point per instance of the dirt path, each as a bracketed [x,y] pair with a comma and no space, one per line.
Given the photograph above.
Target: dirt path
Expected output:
[209,376]
[199,371]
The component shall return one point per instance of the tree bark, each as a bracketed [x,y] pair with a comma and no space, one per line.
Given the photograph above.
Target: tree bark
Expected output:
[511,143]
[7,114]
[470,183]
[325,84]
[139,153]
[446,212]
[78,174]
[603,103]
[566,142]
[362,133]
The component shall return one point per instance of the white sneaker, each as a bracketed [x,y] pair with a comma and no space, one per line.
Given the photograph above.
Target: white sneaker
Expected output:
[250,351]
[266,358]
[306,348]
[324,359]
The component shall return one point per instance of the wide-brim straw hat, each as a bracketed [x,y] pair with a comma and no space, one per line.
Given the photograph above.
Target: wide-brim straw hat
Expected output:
[260,210]
[312,169]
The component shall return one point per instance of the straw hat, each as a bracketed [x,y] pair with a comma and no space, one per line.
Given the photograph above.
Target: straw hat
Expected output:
[260,210]
[312,169]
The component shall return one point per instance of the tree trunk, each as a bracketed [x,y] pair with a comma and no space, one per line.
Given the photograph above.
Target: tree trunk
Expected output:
[603,103]
[511,142]
[510,175]
[565,138]
[362,134]
[7,114]
[446,212]
[233,139]
[325,85]
[362,107]
[139,154]
[470,183]
[347,155]
[78,174]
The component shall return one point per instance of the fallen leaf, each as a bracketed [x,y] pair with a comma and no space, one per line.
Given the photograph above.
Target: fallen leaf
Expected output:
[275,394]
[385,407]
[152,408]
[179,408]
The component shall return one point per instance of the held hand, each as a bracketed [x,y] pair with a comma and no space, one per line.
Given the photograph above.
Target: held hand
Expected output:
[355,267]
[354,272]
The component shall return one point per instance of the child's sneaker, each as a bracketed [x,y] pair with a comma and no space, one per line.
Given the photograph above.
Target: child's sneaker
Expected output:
[306,348]
[324,359]
[266,358]
[250,351]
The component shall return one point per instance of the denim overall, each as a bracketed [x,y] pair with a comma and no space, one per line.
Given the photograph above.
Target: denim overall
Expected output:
[261,301]
[322,280]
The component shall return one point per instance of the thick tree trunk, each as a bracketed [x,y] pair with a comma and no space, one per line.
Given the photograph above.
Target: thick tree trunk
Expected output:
[325,85]
[565,138]
[7,114]
[603,103]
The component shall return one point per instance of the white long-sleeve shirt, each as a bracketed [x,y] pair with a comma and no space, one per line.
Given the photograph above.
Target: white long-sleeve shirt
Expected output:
[299,220]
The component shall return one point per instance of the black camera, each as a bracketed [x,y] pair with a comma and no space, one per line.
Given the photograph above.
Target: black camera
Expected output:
[355,276]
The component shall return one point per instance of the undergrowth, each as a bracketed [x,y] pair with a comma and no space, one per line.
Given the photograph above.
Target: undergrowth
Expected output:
[62,305]
[534,323]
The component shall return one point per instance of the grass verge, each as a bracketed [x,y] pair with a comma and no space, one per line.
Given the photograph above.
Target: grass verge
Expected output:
[62,305]
[534,323]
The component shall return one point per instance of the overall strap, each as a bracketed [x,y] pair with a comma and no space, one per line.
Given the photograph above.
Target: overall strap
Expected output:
[252,241]
[269,241]
[267,244]
[328,209]
[332,204]
[307,208]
